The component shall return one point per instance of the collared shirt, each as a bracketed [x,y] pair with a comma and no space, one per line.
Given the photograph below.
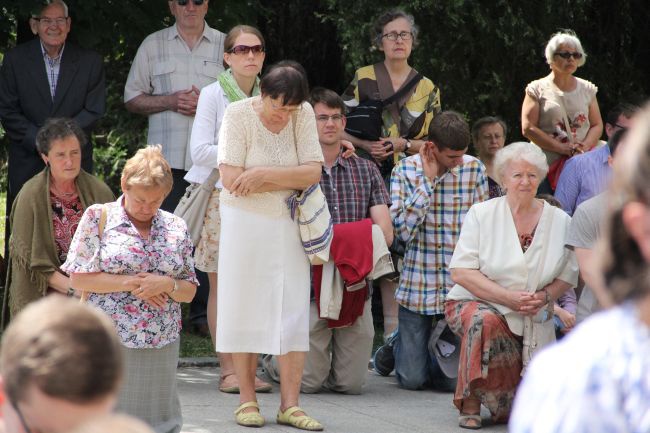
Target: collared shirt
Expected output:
[164,64]
[122,251]
[427,214]
[351,187]
[584,176]
[52,67]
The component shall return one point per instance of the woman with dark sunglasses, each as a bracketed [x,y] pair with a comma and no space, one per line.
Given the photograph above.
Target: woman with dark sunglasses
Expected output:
[560,111]
[243,59]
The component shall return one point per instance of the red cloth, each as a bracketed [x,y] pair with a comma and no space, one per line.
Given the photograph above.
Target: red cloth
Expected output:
[351,251]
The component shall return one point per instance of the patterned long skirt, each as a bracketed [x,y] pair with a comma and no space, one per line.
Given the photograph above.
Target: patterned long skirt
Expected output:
[490,356]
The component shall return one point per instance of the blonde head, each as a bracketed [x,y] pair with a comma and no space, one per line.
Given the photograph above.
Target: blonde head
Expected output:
[149,169]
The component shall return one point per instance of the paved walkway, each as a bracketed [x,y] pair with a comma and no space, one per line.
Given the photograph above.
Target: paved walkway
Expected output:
[383,408]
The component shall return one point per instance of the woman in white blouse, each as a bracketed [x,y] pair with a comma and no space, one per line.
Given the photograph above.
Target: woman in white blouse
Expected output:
[268,148]
[509,262]
[596,379]
[243,58]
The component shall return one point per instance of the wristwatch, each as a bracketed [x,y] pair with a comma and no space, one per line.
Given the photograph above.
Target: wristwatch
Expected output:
[70,292]
[407,145]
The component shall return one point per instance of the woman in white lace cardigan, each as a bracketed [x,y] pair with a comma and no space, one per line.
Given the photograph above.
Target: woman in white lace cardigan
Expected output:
[268,148]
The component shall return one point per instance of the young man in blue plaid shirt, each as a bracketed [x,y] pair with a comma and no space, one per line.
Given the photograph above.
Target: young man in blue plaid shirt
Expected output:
[430,193]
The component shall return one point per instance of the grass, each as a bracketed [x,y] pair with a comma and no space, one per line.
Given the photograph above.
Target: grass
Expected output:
[195,346]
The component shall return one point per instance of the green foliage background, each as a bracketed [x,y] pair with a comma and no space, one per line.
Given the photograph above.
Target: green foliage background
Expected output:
[480,53]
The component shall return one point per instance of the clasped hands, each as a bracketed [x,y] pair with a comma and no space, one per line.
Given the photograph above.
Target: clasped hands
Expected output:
[527,303]
[151,288]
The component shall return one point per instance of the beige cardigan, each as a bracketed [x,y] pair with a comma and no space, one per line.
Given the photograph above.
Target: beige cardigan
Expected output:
[489,242]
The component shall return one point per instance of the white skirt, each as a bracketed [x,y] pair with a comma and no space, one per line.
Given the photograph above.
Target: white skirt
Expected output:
[263,284]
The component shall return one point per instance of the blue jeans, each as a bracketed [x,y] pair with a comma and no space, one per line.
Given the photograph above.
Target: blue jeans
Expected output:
[415,366]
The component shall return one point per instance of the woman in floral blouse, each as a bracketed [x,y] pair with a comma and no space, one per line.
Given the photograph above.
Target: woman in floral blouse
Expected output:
[135,261]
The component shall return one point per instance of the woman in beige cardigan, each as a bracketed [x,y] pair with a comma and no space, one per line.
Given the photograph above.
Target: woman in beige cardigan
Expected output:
[509,262]
[45,215]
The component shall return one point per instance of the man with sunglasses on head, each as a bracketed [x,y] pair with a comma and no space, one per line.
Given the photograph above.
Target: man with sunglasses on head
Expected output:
[60,367]
[170,68]
[586,175]
[43,78]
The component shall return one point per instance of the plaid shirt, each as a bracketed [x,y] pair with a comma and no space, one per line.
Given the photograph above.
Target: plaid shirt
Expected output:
[352,186]
[427,215]
[52,67]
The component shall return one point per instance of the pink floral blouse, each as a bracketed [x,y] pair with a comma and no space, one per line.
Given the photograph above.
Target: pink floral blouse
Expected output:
[122,251]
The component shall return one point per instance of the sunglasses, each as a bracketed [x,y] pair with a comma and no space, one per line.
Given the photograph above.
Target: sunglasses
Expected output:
[567,55]
[241,50]
[184,2]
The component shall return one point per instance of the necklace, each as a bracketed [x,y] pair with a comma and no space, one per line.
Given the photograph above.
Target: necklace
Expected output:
[60,193]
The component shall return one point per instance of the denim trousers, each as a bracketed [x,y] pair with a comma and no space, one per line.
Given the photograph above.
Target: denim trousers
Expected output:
[416,367]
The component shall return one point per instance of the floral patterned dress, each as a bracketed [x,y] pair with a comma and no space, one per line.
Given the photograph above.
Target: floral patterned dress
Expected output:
[122,251]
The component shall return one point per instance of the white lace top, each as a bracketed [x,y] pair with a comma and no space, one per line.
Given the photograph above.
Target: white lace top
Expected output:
[245,142]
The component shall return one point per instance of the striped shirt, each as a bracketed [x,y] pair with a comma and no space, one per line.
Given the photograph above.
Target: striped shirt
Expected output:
[351,187]
[164,64]
[427,215]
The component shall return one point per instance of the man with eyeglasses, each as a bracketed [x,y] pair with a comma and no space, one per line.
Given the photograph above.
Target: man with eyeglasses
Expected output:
[339,350]
[586,175]
[60,367]
[47,77]
[170,68]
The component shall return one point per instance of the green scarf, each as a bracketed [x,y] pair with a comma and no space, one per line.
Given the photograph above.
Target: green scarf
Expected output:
[231,88]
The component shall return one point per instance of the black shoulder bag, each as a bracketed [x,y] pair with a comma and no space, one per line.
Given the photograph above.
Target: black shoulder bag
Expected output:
[364,121]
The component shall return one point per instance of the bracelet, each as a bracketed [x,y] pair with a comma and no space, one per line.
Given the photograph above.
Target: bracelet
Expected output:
[548,296]
[70,292]
[175,288]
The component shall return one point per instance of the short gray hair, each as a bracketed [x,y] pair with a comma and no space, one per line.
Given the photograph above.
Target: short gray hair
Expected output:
[520,151]
[566,37]
[47,3]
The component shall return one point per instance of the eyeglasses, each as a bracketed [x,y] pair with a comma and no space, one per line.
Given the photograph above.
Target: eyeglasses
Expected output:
[567,55]
[241,50]
[184,2]
[49,21]
[324,118]
[392,36]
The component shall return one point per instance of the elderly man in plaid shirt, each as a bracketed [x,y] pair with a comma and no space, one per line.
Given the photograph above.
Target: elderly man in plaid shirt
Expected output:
[430,192]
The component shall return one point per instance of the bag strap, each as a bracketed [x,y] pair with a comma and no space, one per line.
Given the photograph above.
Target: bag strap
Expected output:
[100,229]
[388,95]
[565,117]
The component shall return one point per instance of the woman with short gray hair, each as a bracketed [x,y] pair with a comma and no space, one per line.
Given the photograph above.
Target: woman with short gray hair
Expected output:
[509,263]
[560,111]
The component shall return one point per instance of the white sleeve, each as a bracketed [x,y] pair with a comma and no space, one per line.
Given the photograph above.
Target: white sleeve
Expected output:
[207,122]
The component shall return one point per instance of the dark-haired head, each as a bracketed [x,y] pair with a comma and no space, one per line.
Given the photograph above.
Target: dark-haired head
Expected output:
[287,81]
[615,140]
[449,130]
[58,128]
[327,97]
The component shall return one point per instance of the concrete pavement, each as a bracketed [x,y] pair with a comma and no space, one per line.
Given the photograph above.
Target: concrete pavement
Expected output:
[383,408]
